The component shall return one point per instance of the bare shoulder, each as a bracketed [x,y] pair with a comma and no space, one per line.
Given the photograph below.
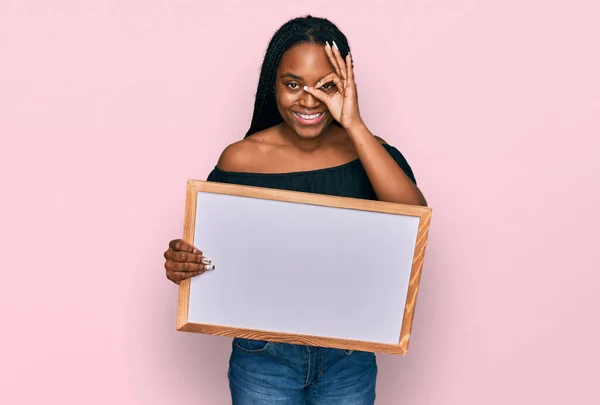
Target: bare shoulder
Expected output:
[234,156]
[245,155]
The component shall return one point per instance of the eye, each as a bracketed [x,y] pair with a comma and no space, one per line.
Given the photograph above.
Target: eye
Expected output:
[293,86]
[328,86]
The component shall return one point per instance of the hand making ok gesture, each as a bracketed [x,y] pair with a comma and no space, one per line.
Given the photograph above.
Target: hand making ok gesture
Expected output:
[343,104]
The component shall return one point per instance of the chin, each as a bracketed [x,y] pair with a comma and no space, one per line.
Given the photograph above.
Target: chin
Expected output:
[308,133]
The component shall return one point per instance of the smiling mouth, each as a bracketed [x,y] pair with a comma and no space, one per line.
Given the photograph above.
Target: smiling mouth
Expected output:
[309,119]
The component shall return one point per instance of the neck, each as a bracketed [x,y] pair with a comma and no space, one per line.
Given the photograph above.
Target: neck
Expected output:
[306,144]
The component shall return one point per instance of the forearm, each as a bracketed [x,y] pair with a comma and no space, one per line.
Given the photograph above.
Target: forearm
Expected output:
[388,179]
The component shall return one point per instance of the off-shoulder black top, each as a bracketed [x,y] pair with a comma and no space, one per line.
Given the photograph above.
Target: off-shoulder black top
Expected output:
[347,180]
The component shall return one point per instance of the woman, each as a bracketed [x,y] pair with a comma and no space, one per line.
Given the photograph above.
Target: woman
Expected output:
[306,134]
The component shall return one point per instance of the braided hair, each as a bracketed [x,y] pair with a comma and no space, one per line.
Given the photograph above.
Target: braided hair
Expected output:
[301,30]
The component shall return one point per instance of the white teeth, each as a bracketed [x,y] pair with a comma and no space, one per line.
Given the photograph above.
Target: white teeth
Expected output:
[309,117]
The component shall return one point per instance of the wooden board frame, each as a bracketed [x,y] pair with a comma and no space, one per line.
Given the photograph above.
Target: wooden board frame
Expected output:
[424,214]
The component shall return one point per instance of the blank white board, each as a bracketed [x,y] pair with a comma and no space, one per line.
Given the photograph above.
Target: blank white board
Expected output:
[302,268]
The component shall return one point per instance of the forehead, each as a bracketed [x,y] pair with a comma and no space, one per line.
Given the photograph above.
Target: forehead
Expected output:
[305,60]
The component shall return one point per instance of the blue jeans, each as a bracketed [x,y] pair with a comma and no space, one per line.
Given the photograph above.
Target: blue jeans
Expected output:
[265,373]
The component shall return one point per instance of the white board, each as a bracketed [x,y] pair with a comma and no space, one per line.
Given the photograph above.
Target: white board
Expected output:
[301,268]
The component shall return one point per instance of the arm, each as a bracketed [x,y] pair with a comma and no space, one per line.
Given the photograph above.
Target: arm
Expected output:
[387,178]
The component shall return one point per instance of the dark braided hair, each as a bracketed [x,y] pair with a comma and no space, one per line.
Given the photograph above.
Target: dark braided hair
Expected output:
[301,30]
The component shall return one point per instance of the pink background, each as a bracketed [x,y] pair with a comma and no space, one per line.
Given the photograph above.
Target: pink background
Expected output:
[108,107]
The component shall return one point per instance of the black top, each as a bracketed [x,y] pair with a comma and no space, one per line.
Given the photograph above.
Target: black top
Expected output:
[347,180]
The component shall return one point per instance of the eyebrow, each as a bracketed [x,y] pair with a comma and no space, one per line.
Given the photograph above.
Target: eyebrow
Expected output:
[290,75]
[295,77]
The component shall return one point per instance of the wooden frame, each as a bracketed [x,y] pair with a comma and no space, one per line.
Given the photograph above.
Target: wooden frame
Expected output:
[424,214]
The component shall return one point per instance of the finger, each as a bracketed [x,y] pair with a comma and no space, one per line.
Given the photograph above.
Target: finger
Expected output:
[181,245]
[187,266]
[340,85]
[319,94]
[328,78]
[333,59]
[331,77]
[350,65]
[186,257]
[340,61]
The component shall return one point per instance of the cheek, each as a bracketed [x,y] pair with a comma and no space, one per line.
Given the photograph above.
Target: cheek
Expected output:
[286,99]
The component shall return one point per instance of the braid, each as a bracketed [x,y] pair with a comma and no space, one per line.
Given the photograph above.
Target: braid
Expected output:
[299,30]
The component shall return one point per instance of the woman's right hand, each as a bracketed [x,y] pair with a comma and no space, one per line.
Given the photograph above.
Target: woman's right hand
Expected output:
[184,261]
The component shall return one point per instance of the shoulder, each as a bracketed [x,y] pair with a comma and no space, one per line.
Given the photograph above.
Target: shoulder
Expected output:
[233,154]
[238,156]
[244,155]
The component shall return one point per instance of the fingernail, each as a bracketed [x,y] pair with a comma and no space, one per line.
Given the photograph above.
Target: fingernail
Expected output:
[206,260]
[208,267]
[305,88]
[334,45]
[328,46]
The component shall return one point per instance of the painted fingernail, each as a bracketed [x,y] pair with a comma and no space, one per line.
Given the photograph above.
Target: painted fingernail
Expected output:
[206,260]
[328,46]
[334,45]
[208,267]
[305,88]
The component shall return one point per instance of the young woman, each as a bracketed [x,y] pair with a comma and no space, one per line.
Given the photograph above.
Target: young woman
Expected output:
[306,134]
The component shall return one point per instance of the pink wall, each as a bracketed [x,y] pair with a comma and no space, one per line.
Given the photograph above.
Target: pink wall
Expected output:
[107,107]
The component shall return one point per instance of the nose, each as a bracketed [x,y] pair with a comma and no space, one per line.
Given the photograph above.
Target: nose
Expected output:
[307,100]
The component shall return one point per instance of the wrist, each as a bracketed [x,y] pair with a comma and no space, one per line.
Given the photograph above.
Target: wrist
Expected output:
[358,130]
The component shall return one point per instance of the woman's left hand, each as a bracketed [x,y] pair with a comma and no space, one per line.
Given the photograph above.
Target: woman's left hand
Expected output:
[343,104]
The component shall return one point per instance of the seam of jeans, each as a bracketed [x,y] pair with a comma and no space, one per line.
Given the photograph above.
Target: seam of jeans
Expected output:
[307,368]
[320,368]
